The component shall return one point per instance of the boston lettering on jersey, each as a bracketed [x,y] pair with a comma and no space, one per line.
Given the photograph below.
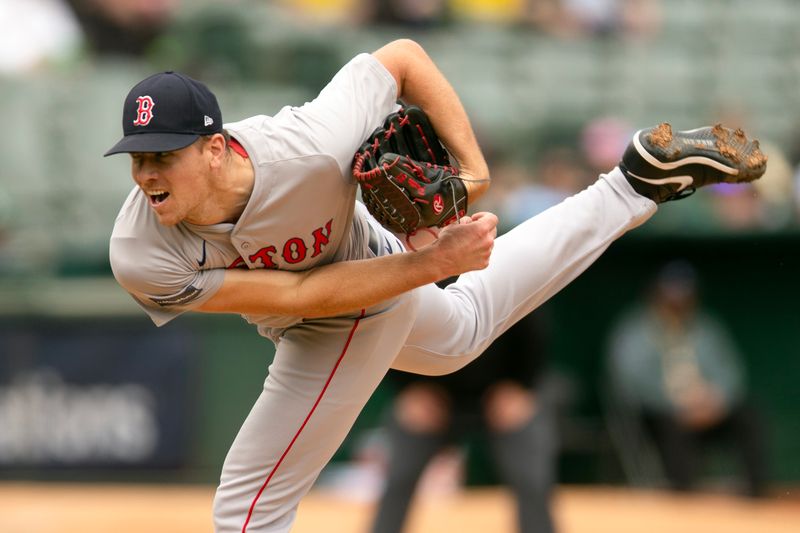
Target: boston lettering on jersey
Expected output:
[293,251]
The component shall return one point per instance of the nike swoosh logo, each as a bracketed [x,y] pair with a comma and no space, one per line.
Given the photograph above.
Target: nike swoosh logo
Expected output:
[201,262]
[683,181]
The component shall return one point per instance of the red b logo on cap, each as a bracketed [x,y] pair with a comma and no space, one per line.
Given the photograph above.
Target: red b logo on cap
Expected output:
[145,112]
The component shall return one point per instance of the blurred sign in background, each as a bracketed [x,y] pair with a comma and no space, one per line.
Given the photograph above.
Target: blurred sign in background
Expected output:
[93,394]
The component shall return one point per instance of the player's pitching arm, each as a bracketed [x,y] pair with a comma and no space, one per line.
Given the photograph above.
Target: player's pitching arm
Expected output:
[352,285]
[420,82]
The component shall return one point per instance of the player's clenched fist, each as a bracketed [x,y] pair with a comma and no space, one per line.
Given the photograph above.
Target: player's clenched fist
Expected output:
[466,245]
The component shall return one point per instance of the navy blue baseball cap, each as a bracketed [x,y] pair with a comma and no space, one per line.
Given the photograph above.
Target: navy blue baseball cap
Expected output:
[165,112]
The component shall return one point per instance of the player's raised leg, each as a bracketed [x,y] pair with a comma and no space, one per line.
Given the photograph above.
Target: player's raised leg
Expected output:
[539,257]
[529,264]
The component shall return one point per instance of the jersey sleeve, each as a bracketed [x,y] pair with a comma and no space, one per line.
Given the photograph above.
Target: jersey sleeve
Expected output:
[163,284]
[349,108]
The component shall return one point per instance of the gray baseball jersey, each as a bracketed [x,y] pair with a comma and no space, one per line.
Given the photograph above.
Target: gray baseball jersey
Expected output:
[300,153]
[303,213]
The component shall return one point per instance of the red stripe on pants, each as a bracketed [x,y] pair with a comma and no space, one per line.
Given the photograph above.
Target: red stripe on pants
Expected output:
[308,417]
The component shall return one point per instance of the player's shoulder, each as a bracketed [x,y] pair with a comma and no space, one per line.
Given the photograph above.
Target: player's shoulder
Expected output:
[142,252]
[331,126]
[269,139]
[137,226]
[257,134]
[135,218]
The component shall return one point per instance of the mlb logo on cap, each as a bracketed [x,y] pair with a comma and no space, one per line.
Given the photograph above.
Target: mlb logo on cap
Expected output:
[165,112]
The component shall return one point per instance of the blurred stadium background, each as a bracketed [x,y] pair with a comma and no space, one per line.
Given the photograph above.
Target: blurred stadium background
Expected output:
[92,393]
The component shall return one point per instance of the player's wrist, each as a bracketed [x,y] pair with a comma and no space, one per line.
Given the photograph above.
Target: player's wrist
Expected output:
[475,180]
[435,262]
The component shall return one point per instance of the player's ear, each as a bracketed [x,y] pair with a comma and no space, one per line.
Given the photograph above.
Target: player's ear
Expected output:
[216,146]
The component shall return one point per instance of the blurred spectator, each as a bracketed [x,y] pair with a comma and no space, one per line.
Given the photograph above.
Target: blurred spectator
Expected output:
[493,11]
[123,27]
[775,188]
[550,17]
[501,393]
[602,141]
[336,12]
[629,18]
[410,13]
[635,19]
[406,13]
[510,182]
[35,33]
[678,371]
[559,173]
[738,208]
[763,205]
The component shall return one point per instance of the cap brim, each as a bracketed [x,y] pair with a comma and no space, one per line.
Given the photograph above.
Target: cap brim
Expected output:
[152,142]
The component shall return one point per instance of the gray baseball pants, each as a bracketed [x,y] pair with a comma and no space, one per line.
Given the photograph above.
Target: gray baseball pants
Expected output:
[324,371]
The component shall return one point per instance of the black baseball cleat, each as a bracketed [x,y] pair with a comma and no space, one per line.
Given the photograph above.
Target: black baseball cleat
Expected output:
[665,166]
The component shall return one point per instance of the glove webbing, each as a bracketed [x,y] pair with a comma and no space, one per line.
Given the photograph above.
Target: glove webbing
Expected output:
[404,121]
[425,140]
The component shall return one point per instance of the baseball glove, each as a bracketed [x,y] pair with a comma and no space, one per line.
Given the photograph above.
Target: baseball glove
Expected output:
[407,179]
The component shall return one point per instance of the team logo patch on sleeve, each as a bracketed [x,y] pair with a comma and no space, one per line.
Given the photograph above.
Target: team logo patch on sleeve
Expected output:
[187,295]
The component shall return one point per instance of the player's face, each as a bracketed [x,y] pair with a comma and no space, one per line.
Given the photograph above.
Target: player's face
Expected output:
[175,183]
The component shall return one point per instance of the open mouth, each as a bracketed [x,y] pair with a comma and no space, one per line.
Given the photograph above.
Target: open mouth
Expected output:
[157,197]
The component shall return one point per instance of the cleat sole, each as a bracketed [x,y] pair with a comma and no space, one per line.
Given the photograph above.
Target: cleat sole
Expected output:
[727,150]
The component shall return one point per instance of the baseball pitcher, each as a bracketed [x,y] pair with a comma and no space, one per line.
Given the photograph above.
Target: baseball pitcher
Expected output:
[259,218]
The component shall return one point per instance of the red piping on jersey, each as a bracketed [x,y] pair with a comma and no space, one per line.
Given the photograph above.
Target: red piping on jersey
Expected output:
[308,417]
[238,148]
